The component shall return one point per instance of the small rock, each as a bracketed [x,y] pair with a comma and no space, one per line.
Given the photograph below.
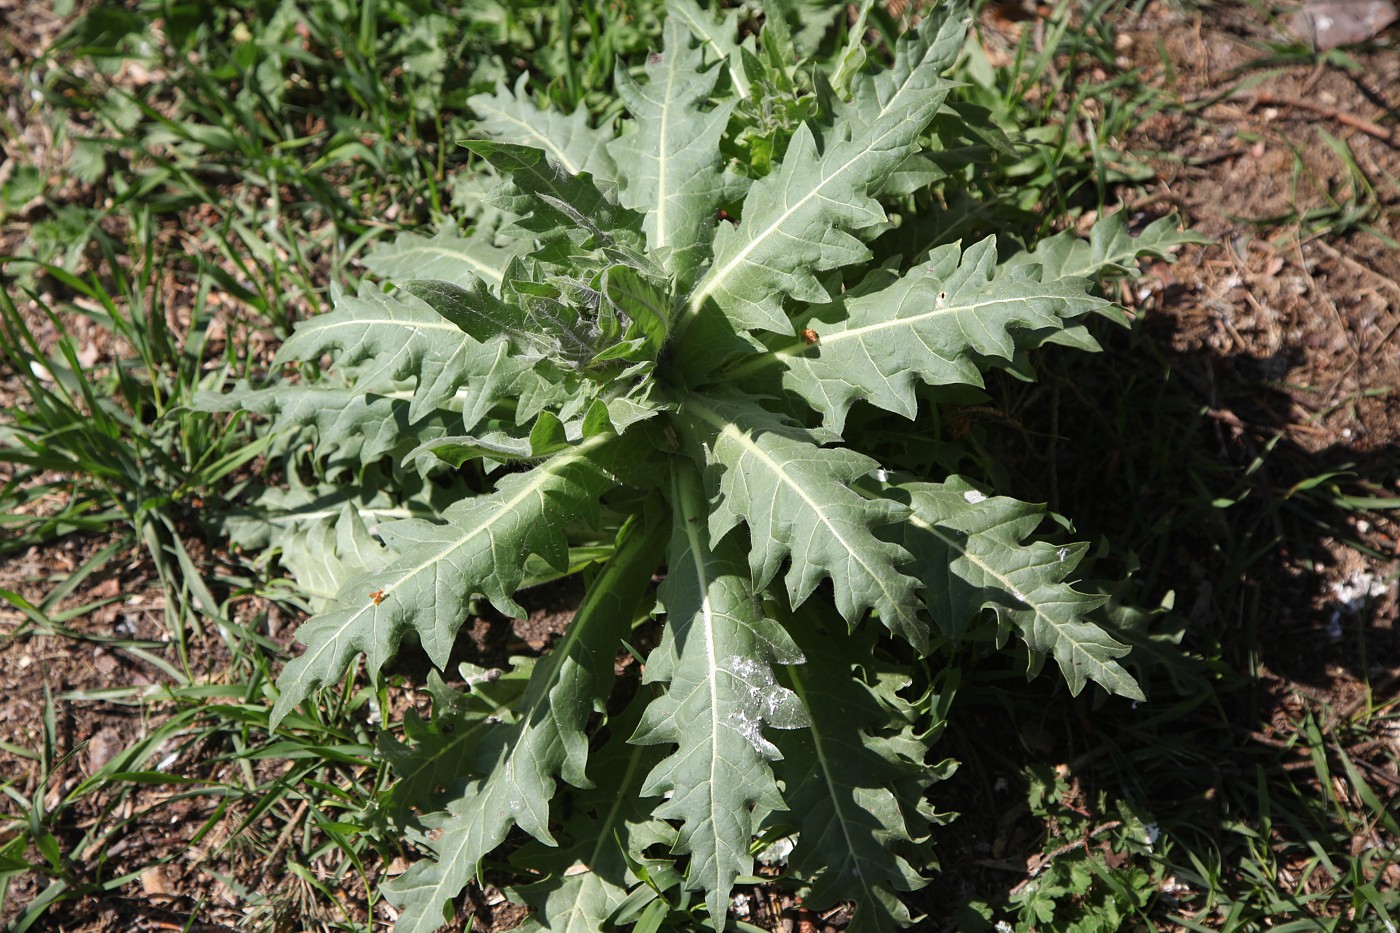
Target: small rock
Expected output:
[103,747]
[1327,24]
[154,882]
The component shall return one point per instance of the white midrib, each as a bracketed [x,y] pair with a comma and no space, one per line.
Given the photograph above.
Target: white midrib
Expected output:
[1011,588]
[605,840]
[698,548]
[545,142]
[299,518]
[482,269]
[742,438]
[982,565]
[663,154]
[545,475]
[828,779]
[798,348]
[558,653]
[701,30]
[446,885]
[715,277]
[914,320]
[362,322]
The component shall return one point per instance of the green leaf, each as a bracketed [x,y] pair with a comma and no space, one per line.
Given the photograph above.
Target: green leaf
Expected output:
[795,497]
[382,342]
[854,789]
[276,515]
[1110,248]
[512,117]
[481,548]
[447,257]
[482,316]
[716,655]
[438,754]
[554,202]
[968,549]
[718,38]
[794,221]
[330,556]
[647,308]
[517,763]
[588,879]
[348,423]
[321,534]
[916,76]
[671,163]
[936,324]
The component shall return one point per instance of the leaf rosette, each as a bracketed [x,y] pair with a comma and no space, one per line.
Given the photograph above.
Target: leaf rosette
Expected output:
[653,360]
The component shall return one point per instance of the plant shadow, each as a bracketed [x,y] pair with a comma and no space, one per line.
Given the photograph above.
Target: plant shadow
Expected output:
[1249,480]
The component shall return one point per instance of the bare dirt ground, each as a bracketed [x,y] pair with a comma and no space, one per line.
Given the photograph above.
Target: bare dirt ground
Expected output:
[1284,328]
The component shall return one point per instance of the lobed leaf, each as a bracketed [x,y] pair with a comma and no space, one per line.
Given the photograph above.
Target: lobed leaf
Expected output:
[671,164]
[854,790]
[517,763]
[480,548]
[916,74]
[445,256]
[348,424]
[716,655]
[934,325]
[329,556]
[717,37]
[968,549]
[588,878]
[554,202]
[794,496]
[794,222]
[512,117]
[438,753]
[382,342]
[1109,248]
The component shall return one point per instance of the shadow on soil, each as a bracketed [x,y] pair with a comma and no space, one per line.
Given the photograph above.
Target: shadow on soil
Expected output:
[1213,476]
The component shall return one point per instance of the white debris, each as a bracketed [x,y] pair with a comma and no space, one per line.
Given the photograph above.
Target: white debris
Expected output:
[1171,886]
[974,496]
[777,853]
[1358,587]
[1350,595]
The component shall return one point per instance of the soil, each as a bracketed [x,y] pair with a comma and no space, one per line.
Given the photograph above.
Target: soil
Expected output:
[1283,330]
[1285,327]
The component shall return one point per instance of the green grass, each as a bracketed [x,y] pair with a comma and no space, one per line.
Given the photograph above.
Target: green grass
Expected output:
[195,215]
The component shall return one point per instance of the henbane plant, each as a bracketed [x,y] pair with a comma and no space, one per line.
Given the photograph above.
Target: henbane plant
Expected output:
[648,357]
